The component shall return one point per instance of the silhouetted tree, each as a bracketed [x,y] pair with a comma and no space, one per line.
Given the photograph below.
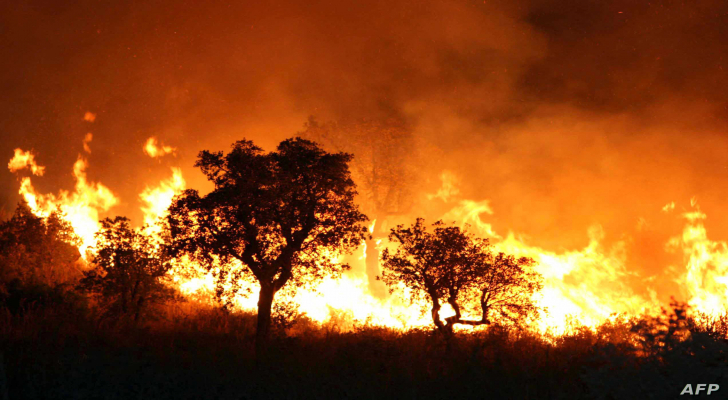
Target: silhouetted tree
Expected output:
[280,215]
[449,265]
[38,251]
[129,269]
[383,167]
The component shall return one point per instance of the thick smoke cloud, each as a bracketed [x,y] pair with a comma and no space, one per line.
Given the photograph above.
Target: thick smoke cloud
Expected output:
[563,113]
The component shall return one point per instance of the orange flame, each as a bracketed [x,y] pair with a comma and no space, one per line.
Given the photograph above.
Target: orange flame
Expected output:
[157,199]
[86,140]
[586,284]
[25,159]
[155,150]
[81,207]
[706,272]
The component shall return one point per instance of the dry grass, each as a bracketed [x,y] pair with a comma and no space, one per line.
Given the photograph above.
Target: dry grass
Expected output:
[199,352]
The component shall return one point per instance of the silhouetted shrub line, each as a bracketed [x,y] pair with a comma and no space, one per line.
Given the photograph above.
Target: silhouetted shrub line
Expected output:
[209,354]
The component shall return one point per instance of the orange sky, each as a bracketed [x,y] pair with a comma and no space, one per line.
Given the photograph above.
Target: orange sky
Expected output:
[564,114]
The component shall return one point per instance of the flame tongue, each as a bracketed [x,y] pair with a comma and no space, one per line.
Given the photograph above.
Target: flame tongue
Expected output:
[588,284]
[154,149]
[81,207]
[25,159]
[157,199]
[706,274]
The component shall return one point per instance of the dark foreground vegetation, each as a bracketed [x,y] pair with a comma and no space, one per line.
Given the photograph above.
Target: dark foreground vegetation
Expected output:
[57,347]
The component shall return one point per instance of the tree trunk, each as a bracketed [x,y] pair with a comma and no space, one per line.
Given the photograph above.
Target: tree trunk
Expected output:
[376,288]
[436,316]
[444,328]
[138,310]
[265,304]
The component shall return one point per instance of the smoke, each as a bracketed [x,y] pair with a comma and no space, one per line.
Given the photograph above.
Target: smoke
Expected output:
[563,115]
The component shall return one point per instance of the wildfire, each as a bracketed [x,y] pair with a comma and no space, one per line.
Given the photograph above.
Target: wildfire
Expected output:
[86,140]
[599,274]
[81,207]
[587,284]
[25,159]
[154,149]
[706,270]
[599,289]
[156,200]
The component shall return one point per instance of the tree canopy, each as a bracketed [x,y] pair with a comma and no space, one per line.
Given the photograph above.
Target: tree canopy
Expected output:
[38,250]
[129,269]
[279,216]
[448,265]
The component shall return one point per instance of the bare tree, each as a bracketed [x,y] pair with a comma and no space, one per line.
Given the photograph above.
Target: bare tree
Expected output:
[383,168]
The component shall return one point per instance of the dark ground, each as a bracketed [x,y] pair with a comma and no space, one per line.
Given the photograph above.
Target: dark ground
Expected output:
[69,353]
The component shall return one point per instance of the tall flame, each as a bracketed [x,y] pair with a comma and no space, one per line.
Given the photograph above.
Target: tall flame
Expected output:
[156,200]
[81,207]
[588,284]
[706,273]
[595,288]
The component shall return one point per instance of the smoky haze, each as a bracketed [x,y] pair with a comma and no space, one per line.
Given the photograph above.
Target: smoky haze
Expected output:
[564,114]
